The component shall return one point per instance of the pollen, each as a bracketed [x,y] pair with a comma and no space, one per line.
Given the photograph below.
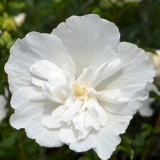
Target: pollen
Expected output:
[78,90]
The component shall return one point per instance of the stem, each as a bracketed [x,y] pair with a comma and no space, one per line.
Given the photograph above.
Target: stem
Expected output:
[151,139]
[20,151]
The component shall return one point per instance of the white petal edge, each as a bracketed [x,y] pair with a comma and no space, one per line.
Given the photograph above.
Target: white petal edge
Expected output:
[28,115]
[89,40]
[31,49]
[105,141]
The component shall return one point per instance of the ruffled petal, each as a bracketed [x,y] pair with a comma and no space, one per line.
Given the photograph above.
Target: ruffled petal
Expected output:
[58,111]
[104,142]
[146,110]
[132,79]
[89,40]
[78,121]
[38,82]
[68,134]
[69,113]
[92,77]
[28,115]
[31,49]
[107,96]
[97,111]
[51,122]
[90,121]
[43,68]
[50,93]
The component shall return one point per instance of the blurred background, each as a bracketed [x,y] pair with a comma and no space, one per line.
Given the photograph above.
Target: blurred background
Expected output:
[138,22]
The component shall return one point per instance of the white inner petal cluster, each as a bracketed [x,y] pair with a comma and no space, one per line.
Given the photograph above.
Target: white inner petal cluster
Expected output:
[79,102]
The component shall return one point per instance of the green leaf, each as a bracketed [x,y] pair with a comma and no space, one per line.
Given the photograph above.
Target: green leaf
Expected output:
[154,95]
[126,146]
[9,141]
[147,129]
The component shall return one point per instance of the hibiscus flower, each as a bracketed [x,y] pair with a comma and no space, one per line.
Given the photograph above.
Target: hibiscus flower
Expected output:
[78,85]
[146,110]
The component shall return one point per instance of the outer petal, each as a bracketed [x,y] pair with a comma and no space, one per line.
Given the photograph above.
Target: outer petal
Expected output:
[89,40]
[28,115]
[31,49]
[146,110]
[133,78]
[68,134]
[104,142]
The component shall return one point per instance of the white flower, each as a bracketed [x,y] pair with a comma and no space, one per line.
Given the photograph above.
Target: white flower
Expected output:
[78,86]
[19,19]
[146,111]
[155,59]
[3,102]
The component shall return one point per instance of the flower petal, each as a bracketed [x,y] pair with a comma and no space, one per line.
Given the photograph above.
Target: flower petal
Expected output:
[58,111]
[78,121]
[28,115]
[113,107]
[133,78]
[146,110]
[97,111]
[104,71]
[49,93]
[104,141]
[68,134]
[61,87]
[107,96]
[90,121]
[37,82]
[89,40]
[69,113]
[31,49]
[51,122]
[43,68]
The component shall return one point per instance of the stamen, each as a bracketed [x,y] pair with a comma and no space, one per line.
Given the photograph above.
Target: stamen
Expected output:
[78,90]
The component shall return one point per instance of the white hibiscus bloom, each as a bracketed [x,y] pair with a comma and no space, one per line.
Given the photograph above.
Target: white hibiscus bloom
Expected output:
[3,102]
[155,59]
[146,110]
[78,85]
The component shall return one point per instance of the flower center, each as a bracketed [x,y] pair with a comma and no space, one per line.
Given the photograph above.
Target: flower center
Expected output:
[79,90]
